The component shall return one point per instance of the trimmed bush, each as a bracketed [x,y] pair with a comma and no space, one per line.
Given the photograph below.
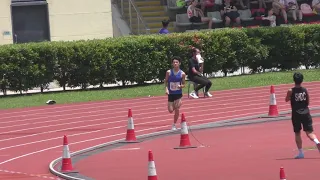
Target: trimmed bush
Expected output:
[145,58]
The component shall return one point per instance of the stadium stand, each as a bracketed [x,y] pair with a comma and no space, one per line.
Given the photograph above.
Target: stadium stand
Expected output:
[154,11]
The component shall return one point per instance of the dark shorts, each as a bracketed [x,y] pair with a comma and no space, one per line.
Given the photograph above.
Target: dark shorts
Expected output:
[304,119]
[173,97]
[195,19]
[232,15]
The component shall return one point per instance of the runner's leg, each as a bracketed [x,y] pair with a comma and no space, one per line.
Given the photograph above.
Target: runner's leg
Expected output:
[308,128]
[296,122]
[177,104]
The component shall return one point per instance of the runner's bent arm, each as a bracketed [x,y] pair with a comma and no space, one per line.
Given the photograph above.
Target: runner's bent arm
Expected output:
[183,84]
[194,69]
[288,97]
[166,81]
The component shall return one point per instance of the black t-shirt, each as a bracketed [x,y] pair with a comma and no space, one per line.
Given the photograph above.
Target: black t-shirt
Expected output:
[300,100]
[193,64]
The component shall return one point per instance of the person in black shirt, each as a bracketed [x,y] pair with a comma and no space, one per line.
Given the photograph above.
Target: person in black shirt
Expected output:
[299,98]
[196,76]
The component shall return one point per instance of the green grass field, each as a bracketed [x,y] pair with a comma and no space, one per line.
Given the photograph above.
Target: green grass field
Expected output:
[244,81]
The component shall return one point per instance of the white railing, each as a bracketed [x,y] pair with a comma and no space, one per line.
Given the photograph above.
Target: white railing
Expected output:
[131,13]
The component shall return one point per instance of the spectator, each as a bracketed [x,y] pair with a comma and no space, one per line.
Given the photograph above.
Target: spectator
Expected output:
[244,4]
[206,4]
[271,17]
[262,3]
[195,14]
[230,12]
[277,8]
[195,75]
[164,29]
[316,5]
[293,9]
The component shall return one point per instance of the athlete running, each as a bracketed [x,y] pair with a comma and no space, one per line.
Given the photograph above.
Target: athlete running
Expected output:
[174,82]
[299,98]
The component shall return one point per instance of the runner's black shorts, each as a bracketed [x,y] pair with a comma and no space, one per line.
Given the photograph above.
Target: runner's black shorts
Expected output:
[301,119]
[174,97]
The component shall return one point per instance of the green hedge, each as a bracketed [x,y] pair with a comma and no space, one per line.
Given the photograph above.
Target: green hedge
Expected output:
[144,58]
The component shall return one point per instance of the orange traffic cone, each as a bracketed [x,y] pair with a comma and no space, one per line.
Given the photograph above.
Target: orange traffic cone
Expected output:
[282,174]
[273,108]
[66,166]
[184,137]
[152,173]
[131,136]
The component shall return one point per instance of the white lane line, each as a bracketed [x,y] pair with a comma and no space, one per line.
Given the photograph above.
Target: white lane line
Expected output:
[148,111]
[124,115]
[136,105]
[60,146]
[121,121]
[27,174]
[141,100]
[111,128]
[113,111]
[122,134]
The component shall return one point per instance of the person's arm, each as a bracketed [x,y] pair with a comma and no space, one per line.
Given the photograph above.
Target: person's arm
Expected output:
[288,97]
[192,66]
[201,68]
[183,83]
[308,98]
[234,8]
[276,5]
[166,81]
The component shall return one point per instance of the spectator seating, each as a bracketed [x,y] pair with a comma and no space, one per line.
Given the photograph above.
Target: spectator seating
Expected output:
[172,5]
[247,16]
[182,21]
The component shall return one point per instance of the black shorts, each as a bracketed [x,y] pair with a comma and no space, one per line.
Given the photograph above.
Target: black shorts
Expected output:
[173,97]
[304,119]
[195,19]
[232,15]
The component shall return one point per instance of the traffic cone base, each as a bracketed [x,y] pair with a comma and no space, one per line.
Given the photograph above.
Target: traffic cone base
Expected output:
[125,141]
[184,137]
[131,137]
[273,110]
[185,147]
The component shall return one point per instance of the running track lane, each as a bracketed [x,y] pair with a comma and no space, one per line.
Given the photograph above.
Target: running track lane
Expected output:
[246,152]
[33,136]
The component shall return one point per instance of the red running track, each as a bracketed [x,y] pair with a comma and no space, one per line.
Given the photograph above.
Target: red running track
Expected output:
[250,152]
[31,138]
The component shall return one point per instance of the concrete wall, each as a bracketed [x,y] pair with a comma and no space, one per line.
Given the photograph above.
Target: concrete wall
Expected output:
[68,20]
[5,22]
[80,19]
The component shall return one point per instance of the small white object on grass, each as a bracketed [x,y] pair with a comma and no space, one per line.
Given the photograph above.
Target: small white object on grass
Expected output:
[50,102]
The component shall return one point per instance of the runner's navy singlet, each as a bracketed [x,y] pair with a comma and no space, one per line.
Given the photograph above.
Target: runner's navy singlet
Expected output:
[173,82]
[299,100]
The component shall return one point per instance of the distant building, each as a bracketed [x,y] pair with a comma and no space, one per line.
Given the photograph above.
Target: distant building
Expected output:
[54,20]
